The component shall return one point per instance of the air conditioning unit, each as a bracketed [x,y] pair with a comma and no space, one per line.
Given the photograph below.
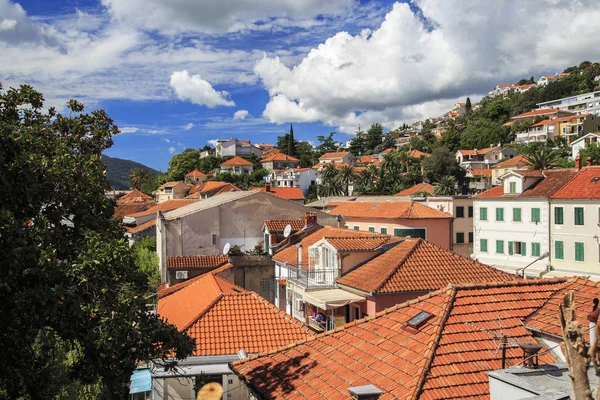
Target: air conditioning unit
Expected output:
[181,275]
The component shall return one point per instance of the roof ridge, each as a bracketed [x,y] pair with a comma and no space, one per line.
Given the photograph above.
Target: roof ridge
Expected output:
[497,284]
[416,244]
[281,312]
[196,318]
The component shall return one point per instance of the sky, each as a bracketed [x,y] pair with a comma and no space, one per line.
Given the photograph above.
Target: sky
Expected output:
[177,74]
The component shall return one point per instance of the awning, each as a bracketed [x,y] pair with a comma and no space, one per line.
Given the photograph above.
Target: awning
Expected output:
[141,381]
[331,298]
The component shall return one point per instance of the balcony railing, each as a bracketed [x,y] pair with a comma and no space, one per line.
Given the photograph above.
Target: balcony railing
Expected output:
[313,278]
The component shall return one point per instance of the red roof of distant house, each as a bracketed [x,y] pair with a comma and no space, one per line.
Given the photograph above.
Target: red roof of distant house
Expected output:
[264,145]
[550,77]
[170,184]
[561,119]
[388,210]
[236,161]
[335,154]
[418,154]
[368,160]
[472,152]
[516,161]
[525,87]
[447,356]
[351,243]
[542,111]
[195,173]
[417,265]
[584,185]
[480,171]
[279,157]
[418,188]
[121,210]
[197,261]
[550,181]
[275,226]
[142,227]
[288,193]
[224,318]
[134,197]
[211,188]
[165,206]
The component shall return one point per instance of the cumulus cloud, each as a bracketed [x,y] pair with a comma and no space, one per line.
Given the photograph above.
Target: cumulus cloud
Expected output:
[7,24]
[430,54]
[171,150]
[189,126]
[213,16]
[198,91]
[129,129]
[240,114]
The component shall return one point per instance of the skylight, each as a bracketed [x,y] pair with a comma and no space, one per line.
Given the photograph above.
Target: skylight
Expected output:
[419,319]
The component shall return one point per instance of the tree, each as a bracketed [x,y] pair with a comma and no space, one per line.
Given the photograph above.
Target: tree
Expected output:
[482,133]
[346,176]
[542,158]
[468,107]
[139,176]
[445,186]
[440,164]
[357,144]
[326,144]
[373,138]
[592,150]
[291,150]
[388,141]
[71,301]
[146,259]
[182,163]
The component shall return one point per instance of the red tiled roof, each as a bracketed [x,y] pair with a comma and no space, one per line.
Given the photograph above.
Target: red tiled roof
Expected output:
[516,161]
[542,111]
[288,193]
[446,357]
[479,151]
[165,206]
[279,225]
[417,265]
[279,157]
[550,77]
[142,227]
[546,122]
[418,154]
[584,185]
[212,188]
[418,188]
[224,318]
[236,161]
[122,210]
[344,244]
[134,197]
[480,171]
[552,181]
[195,173]
[369,160]
[335,154]
[169,184]
[196,261]
[164,289]
[388,210]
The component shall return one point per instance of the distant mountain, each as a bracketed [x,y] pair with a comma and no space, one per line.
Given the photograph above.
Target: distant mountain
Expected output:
[118,169]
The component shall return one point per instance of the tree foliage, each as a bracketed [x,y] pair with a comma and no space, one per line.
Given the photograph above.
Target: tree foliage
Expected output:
[75,321]
[481,133]
[440,164]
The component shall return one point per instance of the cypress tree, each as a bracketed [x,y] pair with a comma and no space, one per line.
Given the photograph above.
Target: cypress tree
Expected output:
[291,150]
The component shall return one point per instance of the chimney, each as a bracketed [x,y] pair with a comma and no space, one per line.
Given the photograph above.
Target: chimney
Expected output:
[367,392]
[530,354]
[588,162]
[578,162]
[268,188]
[299,248]
[310,218]
[475,151]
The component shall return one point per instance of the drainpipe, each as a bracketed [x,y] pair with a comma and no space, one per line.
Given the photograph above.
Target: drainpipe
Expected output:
[550,216]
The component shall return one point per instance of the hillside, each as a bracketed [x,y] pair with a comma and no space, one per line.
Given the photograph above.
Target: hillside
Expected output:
[117,171]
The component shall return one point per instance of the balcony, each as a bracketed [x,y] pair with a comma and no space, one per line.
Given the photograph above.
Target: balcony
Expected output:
[313,278]
[531,137]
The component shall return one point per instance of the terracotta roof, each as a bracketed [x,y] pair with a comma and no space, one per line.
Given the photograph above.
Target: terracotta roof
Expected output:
[164,289]
[134,197]
[335,154]
[551,181]
[264,145]
[550,77]
[480,171]
[279,157]
[417,265]
[479,151]
[525,87]
[163,207]
[290,254]
[279,225]
[418,154]
[122,210]
[349,244]
[516,161]
[170,184]
[236,161]
[391,210]
[542,111]
[288,193]
[196,261]
[546,122]
[446,357]
[369,160]
[418,188]
[141,228]
[584,185]
[224,318]
[211,188]
[195,173]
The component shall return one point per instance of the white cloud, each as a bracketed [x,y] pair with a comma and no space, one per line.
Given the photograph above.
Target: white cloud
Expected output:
[212,142]
[7,24]
[197,90]
[429,57]
[129,129]
[240,114]
[189,126]
[171,150]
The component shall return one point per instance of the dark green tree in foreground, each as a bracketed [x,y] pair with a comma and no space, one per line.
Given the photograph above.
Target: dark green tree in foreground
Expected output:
[291,150]
[73,315]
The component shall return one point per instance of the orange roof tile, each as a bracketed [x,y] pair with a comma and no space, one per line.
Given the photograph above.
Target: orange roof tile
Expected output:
[480,171]
[584,185]
[446,357]
[142,227]
[542,111]
[274,226]
[369,160]
[196,261]
[418,154]
[170,184]
[479,151]
[224,318]
[236,161]
[134,197]
[417,265]
[549,183]
[165,206]
[335,154]
[279,157]
[121,210]
[516,161]
[164,289]
[418,188]
[288,193]
[349,244]
[195,173]
[388,210]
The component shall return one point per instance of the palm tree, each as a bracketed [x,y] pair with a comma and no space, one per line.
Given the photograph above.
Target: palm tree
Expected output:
[445,186]
[346,176]
[137,176]
[364,182]
[542,158]
[405,160]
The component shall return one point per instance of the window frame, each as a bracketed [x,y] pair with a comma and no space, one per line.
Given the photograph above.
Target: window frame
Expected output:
[517,210]
[536,246]
[462,236]
[575,216]
[462,211]
[559,211]
[382,229]
[471,237]
[483,214]
[579,252]
[500,244]
[538,211]
[559,255]
[356,227]
[483,243]
[512,187]
[500,211]
[470,212]
[371,229]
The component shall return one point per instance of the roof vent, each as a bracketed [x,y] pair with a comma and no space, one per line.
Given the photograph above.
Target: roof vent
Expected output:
[374,207]
[595,179]
[418,320]
[530,354]
[367,392]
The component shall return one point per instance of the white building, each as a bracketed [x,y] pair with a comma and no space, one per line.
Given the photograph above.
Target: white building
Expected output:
[546,79]
[236,147]
[302,178]
[483,158]
[587,103]
[583,142]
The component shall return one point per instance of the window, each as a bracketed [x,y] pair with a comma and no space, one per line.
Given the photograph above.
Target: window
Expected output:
[470,237]
[383,230]
[214,239]
[356,227]
[413,233]
[535,215]
[516,215]
[460,237]
[483,213]
[483,245]
[470,212]
[578,215]
[513,187]
[267,237]
[500,246]
[371,229]
[559,217]
[535,249]
[579,250]
[559,250]
[518,248]
[345,226]
[460,212]
[500,214]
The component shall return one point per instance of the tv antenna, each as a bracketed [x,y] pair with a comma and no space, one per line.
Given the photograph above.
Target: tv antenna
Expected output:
[226,248]
[287,231]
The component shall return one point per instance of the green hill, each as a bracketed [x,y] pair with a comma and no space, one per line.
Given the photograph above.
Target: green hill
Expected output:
[117,171]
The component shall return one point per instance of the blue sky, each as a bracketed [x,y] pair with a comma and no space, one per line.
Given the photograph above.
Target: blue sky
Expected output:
[178,74]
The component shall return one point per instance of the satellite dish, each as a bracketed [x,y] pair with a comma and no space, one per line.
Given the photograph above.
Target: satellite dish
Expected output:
[287,231]
[226,249]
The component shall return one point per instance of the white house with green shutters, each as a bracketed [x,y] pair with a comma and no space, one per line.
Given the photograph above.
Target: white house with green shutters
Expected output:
[511,222]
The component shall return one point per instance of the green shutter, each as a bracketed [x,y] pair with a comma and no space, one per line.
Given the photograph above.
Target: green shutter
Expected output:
[510,248]
[559,252]
[345,226]
[579,251]
[535,249]
[384,231]
[356,227]
[397,232]
[516,214]
[267,238]
[500,246]
[579,216]
[523,248]
[559,217]
[460,237]
[470,237]
[513,187]
[535,215]
[483,245]
[483,213]
[499,214]
[371,229]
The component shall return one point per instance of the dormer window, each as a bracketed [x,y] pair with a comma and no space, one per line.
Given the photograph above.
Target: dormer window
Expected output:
[512,187]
